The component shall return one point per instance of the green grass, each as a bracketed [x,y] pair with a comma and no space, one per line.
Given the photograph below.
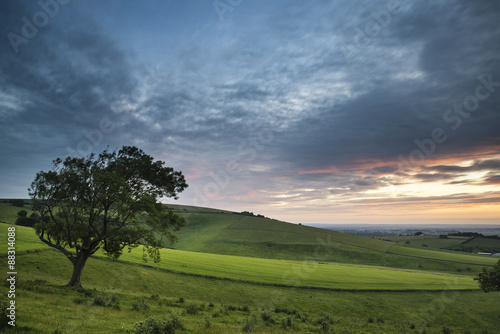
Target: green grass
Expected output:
[8,212]
[192,276]
[432,241]
[444,255]
[304,274]
[46,299]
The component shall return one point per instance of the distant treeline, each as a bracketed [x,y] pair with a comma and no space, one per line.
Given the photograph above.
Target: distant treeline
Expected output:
[473,235]
[250,214]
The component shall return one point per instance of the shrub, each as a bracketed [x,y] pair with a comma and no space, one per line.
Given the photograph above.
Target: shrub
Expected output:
[287,322]
[446,330]
[325,327]
[154,297]
[245,308]
[248,326]
[99,301]
[23,213]
[157,326]
[79,300]
[181,300]
[266,316]
[208,322]
[140,306]
[325,318]
[191,308]
[17,202]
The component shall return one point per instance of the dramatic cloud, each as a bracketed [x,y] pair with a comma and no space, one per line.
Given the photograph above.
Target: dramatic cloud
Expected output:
[320,111]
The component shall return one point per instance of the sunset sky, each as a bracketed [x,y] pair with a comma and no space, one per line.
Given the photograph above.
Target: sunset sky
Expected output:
[306,111]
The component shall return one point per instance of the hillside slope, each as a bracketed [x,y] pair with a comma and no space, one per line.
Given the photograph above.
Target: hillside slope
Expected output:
[229,233]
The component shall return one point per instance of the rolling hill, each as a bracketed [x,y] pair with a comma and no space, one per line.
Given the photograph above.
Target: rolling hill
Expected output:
[222,232]
[232,273]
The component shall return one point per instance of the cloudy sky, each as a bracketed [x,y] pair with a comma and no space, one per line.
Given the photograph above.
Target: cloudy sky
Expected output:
[306,111]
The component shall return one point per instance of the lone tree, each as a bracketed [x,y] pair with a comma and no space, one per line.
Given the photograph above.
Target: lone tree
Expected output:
[108,201]
[489,279]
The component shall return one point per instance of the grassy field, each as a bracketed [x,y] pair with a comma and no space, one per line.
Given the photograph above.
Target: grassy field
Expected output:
[8,212]
[44,305]
[219,293]
[304,274]
[444,255]
[432,241]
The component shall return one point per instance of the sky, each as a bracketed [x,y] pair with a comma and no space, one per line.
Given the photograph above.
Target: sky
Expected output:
[311,112]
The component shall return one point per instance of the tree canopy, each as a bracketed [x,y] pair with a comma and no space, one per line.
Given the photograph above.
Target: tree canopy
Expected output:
[489,279]
[109,201]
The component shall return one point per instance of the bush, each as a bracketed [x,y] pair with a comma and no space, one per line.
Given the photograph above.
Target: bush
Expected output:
[140,306]
[287,322]
[17,202]
[86,292]
[191,309]
[208,322]
[446,330]
[157,326]
[245,308]
[23,220]
[248,326]
[266,316]
[99,301]
[489,279]
[79,300]
[325,318]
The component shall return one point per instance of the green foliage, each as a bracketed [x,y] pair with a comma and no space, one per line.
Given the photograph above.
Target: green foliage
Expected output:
[267,316]
[192,308]
[80,300]
[249,325]
[140,306]
[489,279]
[99,301]
[109,201]
[287,322]
[153,325]
[17,202]
[446,330]
[208,322]
[24,220]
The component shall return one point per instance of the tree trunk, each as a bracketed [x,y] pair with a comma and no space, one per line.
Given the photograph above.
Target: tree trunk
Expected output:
[78,265]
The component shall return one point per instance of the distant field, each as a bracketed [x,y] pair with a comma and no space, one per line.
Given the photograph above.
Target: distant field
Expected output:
[304,274]
[8,212]
[433,241]
[280,272]
[443,255]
